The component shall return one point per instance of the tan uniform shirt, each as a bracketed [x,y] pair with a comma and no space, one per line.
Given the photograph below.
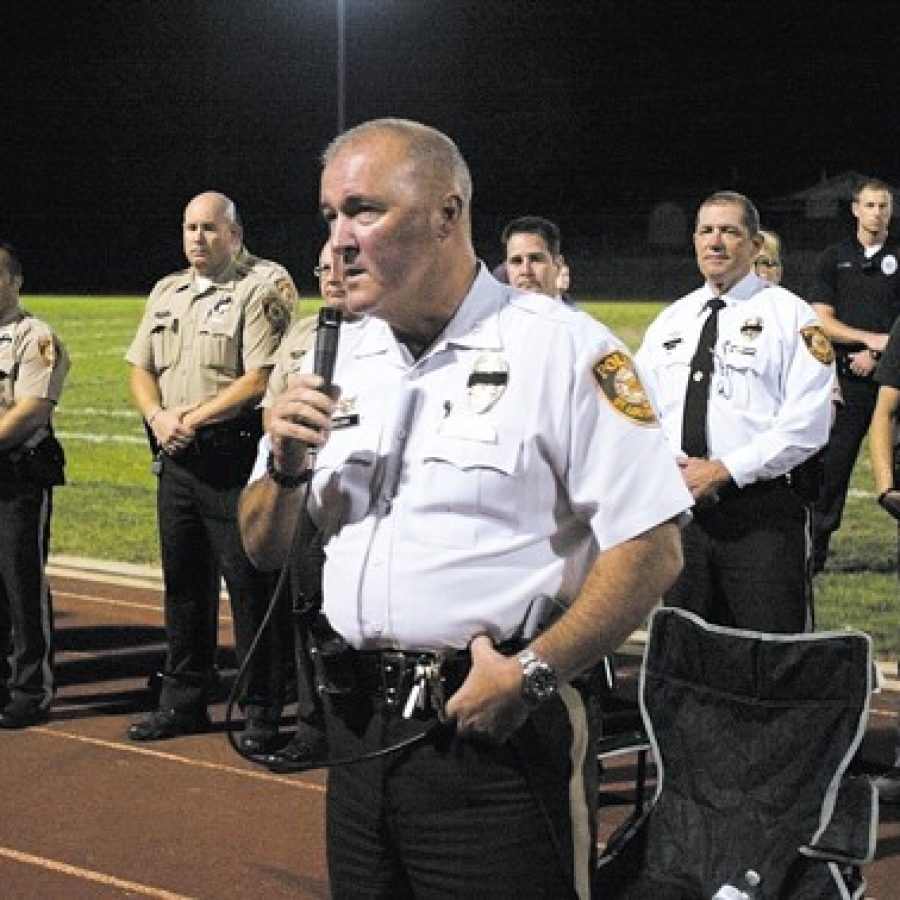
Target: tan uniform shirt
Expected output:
[33,363]
[273,272]
[197,342]
[300,340]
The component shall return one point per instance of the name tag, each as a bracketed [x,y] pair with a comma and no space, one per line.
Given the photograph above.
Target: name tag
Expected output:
[347,420]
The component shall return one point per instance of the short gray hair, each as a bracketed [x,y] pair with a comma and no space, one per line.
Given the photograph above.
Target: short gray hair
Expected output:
[430,149]
[729,198]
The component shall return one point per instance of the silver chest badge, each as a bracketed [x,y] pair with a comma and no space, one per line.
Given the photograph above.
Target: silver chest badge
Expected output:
[488,381]
[752,328]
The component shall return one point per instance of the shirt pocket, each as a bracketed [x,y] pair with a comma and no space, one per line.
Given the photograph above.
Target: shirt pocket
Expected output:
[165,341]
[345,471]
[670,376]
[469,489]
[219,344]
[740,373]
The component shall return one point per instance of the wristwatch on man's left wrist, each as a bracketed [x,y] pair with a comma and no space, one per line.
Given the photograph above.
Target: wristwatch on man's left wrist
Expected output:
[539,681]
[282,479]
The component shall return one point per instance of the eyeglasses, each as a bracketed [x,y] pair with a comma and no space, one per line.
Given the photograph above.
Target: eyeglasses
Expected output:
[319,271]
[767,263]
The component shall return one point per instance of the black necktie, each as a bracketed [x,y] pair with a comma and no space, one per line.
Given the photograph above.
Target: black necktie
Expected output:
[696,400]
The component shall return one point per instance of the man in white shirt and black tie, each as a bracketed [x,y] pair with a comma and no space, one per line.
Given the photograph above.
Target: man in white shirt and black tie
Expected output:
[741,374]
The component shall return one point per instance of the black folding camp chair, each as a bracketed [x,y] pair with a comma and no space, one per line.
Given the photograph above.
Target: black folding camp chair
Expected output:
[752,736]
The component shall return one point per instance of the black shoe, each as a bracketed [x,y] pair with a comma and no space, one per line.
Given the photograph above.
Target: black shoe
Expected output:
[260,734]
[23,714]
[170,723]
[306,748]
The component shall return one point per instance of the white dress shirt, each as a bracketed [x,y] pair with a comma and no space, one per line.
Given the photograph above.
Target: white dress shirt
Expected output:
[470,491]
[770,394]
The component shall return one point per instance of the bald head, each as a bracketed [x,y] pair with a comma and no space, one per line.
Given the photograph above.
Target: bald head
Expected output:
[211,232]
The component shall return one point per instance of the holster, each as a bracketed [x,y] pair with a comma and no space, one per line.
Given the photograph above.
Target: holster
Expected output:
[43,464]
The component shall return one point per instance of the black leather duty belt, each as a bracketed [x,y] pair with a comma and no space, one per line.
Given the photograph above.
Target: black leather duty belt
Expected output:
[395,676]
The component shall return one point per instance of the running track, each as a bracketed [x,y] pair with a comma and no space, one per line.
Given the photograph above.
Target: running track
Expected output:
[84,813]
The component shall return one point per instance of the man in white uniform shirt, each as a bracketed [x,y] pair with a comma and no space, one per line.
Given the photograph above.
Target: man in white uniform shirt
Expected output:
[769,379]
[497,503]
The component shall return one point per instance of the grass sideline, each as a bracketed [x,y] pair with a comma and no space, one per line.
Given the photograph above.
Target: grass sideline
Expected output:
[107,509]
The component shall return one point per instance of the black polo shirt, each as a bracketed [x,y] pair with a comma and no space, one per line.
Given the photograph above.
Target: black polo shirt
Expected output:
[865,293]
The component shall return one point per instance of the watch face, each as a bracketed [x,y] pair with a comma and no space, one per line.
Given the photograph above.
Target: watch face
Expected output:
[538,682]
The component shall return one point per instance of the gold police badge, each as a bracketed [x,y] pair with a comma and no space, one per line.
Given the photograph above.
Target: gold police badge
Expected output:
[818,344]
[619,383]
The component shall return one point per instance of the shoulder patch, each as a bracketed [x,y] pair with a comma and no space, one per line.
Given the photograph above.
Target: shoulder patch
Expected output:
[818,344]
[47,350]
[618,381]
[277,314]
[287,290]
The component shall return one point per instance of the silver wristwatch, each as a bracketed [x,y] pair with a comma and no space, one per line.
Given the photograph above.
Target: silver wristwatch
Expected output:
[539,682]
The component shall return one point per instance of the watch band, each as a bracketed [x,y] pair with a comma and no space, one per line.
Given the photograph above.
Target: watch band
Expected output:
[284,480]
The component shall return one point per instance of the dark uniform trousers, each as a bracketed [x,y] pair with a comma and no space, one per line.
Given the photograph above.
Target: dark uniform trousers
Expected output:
[745,560]
[26,609]
[200,540]
[846,437]
[456,818]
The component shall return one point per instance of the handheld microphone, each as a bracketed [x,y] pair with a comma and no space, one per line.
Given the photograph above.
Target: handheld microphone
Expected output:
[327,335]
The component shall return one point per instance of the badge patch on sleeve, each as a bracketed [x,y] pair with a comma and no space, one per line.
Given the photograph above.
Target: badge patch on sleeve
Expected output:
[47,351]
[818,344]
[288,293]
[619,383]
[276,313]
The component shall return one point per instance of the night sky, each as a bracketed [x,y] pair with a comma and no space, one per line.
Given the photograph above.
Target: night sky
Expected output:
[118,112]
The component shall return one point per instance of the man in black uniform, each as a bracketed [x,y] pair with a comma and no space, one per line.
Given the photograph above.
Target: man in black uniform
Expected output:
[200,363]
[857,299]
[33,366]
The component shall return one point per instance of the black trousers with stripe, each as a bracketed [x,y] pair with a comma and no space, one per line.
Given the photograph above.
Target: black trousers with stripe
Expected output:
[455,818]
[26,607]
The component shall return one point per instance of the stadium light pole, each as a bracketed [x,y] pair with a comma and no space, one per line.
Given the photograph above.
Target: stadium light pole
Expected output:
[341,66]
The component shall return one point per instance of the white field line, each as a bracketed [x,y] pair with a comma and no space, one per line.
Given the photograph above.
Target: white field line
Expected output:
[124,604]
[93,354]
[293,782]
[98,411]
[101,438]
[52,865]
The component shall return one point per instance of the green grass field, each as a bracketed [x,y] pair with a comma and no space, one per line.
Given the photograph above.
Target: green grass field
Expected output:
[107,509]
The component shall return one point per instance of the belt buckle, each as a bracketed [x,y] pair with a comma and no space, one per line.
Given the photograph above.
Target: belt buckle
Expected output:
[392,667]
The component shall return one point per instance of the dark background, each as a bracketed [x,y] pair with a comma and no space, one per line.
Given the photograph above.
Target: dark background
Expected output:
[116,113]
